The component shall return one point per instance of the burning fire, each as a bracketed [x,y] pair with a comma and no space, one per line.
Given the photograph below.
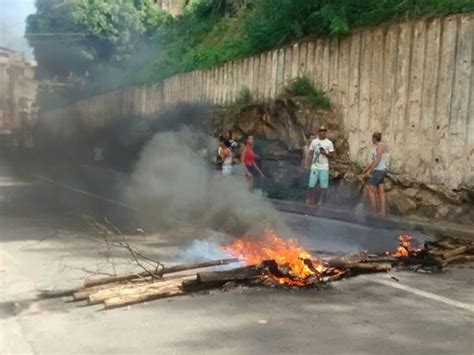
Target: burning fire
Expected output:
[405,248]
[286,253]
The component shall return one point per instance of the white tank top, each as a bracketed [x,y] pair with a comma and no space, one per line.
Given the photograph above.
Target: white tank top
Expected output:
[384,159]
[228,160]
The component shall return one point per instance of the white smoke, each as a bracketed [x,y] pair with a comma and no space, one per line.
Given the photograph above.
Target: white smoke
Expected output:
[172,185]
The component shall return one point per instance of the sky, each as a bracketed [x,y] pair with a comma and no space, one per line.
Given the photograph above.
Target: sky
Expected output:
[13,14]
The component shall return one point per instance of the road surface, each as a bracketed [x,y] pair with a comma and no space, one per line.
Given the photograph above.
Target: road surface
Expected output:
[45,243]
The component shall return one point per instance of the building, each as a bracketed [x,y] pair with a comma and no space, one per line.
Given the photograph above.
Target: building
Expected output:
[174,7]
[18,88]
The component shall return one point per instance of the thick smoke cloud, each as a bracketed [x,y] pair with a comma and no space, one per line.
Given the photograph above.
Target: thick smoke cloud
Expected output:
[172,183]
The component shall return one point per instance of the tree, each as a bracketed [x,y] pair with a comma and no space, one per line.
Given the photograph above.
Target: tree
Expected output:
[56,38]
[72,36]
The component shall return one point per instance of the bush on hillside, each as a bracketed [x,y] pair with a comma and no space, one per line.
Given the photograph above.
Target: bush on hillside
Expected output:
[243,97]
[303,86]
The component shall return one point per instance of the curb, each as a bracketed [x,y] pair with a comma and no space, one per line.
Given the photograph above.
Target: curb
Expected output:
[391,222]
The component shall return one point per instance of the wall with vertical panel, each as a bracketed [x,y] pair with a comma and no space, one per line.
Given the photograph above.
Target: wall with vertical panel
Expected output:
[412,81]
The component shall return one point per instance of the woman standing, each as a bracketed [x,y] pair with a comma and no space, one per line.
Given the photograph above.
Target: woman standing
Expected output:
[225,155]
[377,171]
[252,171]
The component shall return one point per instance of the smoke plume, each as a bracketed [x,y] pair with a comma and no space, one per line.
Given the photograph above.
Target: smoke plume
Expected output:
[172,183]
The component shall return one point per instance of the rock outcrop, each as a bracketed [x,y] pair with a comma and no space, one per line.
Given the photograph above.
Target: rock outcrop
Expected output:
[284,120]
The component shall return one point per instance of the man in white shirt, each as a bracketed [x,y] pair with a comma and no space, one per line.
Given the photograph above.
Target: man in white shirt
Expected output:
[320,151]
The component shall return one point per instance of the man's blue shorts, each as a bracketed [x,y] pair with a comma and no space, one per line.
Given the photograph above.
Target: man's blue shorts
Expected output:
[316,175]
[377,177]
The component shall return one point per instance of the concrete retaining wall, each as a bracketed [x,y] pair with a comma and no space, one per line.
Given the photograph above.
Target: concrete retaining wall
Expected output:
[413,81]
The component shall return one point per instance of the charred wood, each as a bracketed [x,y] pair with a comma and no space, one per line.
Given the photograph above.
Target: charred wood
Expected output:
[44,294]
[369,267]
[239,274]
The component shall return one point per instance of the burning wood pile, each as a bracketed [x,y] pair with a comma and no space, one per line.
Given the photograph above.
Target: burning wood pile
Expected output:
[272,262]
[442,253]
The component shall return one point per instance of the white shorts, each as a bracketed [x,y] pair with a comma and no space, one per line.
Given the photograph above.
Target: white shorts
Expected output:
[226,170]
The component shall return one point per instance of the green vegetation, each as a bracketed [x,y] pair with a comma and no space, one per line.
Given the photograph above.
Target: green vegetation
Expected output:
[120,42]
[79,36]
[209,34]
[97,45]
[357,167]
[303,86]
[243,97]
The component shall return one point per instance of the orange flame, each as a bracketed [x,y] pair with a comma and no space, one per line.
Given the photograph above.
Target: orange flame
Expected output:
[405,248]
[286,253]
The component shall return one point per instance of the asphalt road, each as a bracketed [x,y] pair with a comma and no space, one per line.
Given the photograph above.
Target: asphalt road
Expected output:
[45,243]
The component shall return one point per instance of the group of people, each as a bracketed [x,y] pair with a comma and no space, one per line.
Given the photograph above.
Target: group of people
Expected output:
[317,154]
[230,153]
[320,150]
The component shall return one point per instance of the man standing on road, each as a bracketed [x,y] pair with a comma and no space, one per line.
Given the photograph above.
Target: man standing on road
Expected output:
[320,150]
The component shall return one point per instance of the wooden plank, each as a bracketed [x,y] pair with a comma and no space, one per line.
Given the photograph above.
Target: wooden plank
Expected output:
[146,293]
[84,292]
[239,274]
[166,270]
[134,289]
